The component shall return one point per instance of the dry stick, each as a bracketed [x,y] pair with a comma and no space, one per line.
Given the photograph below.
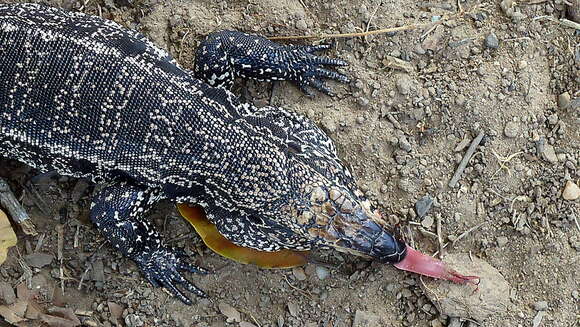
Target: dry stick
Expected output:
[439,237]
[343,35]
[16,211]
[465,160]
[379,31]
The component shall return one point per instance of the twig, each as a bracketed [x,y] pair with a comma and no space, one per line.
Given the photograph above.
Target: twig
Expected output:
[466,233]
[379,31]
[439,237]
[343,35]
[465,160]
[371,19]
[15,210]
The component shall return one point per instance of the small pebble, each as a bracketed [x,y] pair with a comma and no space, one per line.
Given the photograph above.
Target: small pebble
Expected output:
[541,306]
[511,129]
[571,191]
[404,84]
[230,312]
[423,206]
[299,273]
[301,25]
[491,41]
[502,241]
[38,260]
[564,100]
[365,319]
[550,154]
[427,222]
[322,272]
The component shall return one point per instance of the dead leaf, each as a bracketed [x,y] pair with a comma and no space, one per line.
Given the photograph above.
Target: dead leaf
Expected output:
[7,236]
[398,64]
[60,317]
[116,310]
[230,312]
[14,313]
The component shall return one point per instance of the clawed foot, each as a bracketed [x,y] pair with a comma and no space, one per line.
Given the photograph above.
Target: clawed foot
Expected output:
[308,69]
[162,267]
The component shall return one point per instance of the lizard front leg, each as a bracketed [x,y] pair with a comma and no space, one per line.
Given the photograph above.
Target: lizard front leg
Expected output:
[118,212]
[227,54]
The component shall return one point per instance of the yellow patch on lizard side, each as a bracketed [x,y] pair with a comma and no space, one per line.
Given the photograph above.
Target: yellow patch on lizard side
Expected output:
[7,236]
[222,246]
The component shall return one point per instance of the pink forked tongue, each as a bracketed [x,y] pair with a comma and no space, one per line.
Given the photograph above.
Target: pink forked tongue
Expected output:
[423,264]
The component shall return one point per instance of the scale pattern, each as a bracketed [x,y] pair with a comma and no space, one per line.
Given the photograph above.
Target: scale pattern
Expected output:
[88,98]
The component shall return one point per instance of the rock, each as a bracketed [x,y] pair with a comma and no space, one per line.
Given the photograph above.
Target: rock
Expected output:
[571,191]
[365,319]
[460,100]
[246,324]
[455,300]
[298,272]
[454,322]
[549,154]
[322,272]
[404,144]
[293,309]
[230,312]
[301,25]
[511,129]
[491,41]
[538,318]
[7,295]
[133,320]
[502,241]
[427,222]
[541,306]
[38,260]
[404,84]
[564,100]
[423,205]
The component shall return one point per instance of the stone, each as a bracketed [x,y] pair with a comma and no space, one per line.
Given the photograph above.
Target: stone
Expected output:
[365,319]
[541,306]
[564,100]
[404,84]
[502,241]
[511,129]
[423,206]
[38,260]
[322,272]
[230,312]
[491,41]
[571,191]
[461,300]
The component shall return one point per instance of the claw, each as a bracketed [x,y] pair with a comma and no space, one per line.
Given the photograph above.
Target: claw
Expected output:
[162,268]
[321,86]
[321,72]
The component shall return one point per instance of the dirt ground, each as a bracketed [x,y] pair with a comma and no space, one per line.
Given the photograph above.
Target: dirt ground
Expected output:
[511,72]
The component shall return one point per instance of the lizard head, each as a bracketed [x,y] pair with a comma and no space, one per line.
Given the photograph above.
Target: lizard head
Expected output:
[329,207]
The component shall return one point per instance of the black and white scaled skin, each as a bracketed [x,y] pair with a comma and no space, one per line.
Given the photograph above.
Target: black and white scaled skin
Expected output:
[89,98]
